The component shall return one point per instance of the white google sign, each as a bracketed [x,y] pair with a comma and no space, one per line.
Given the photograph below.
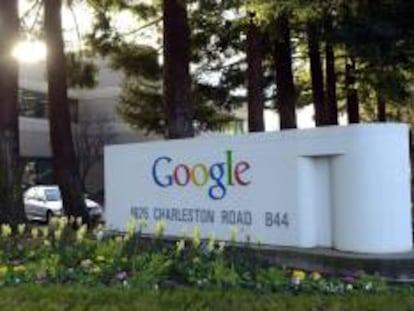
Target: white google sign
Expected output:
[342,187]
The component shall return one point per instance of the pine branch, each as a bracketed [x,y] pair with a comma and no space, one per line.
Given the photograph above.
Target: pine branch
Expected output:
[143,27]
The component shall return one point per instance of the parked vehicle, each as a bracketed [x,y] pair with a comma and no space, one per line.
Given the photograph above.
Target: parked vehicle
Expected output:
[41,203]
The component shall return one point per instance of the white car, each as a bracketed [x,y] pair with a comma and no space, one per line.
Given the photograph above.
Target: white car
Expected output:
[41,203]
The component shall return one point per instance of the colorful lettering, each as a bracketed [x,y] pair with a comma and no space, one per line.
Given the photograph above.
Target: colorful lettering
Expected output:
[218,176]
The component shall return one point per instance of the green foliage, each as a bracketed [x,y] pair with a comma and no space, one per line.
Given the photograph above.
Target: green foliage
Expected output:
[41,268]
[150,269]
[80,73]
[84,298]
[141,104]
[58,254]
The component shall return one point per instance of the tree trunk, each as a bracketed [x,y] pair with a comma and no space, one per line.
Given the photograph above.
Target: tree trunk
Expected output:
[332,102]
[285,96]
[316,74]
[381,107]
[177,81]
[64,158]
[254,78]
[11,205]
[352,102]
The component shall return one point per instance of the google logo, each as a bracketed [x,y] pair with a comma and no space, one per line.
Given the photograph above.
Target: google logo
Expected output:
[217,177]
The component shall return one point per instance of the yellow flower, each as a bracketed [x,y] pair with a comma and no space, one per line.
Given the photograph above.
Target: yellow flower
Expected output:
[159,228]
[316,276]
[46,243]
[79,221]
[63,221]
[100,258]
[19,269]
[3,270]
[86,263]
[54,222]
[45,231]
[21,228]
[80,234]
[196,236]
[211,242]
[131,228]
[299,274]
[233,234]
[221,245]
[35,232]
[57,234]
[6,230]
[96,269]
[180,245]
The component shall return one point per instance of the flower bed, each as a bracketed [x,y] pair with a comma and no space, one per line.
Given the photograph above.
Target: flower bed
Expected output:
[58,254]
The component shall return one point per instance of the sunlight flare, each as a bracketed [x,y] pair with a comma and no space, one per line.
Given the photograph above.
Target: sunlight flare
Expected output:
[29,51]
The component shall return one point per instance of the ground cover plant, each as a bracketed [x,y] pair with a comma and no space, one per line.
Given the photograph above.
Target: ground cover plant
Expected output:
[59,254]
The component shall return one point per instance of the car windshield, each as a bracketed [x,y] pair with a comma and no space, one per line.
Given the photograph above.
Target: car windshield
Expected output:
[52,195]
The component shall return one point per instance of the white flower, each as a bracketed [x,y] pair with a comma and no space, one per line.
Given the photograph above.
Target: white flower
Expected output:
[295,281]
[368,286]
[99,235]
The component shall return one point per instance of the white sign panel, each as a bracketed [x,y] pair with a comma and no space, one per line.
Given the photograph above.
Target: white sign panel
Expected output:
[342,187]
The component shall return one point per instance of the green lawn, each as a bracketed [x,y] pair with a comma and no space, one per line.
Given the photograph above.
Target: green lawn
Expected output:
[82,298]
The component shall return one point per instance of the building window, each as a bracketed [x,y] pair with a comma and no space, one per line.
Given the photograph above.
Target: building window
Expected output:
[37,171]
[35,105]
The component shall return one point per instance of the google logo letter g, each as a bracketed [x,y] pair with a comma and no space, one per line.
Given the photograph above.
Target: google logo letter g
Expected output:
[216,177]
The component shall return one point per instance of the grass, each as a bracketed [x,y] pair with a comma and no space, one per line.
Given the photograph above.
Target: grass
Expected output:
[61,298]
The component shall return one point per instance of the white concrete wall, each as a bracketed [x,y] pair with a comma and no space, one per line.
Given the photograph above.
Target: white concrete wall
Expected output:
[346,187]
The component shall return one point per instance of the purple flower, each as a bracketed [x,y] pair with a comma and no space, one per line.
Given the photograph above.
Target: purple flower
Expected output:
[349,278]
[122,276]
